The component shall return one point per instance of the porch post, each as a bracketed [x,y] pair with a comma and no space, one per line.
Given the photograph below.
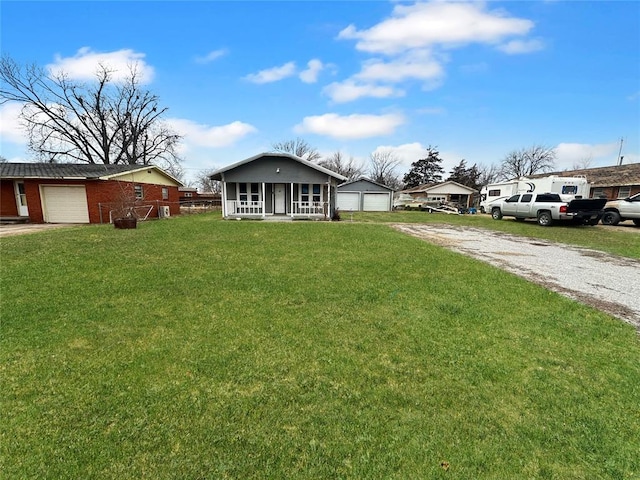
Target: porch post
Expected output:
[264,202]
[224,197]
[328,199]
[291,199]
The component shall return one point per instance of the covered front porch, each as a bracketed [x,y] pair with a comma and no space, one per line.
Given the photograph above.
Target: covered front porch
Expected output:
[289,200]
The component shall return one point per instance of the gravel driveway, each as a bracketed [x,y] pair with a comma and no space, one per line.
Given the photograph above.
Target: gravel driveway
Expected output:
[603,281]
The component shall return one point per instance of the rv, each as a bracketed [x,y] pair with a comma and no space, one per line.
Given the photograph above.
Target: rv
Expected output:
[495,192]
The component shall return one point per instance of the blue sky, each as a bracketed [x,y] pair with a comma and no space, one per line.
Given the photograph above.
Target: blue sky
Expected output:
[475,79]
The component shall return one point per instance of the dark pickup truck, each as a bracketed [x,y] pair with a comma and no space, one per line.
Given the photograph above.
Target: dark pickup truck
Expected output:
[548,207]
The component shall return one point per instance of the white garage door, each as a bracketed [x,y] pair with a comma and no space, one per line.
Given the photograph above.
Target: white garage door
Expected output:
[349,201]
[65,204]
[376,202]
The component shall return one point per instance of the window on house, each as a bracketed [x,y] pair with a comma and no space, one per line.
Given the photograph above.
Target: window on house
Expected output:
[598,193]
[165,193]
[138,192]
[188,194]
[624,192]
[249,192]
[310,192]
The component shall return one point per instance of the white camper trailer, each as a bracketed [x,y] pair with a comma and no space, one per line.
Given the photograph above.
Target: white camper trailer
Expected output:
[495,192]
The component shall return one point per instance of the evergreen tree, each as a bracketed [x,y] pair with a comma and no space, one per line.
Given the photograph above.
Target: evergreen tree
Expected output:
[425,170]
[469,177]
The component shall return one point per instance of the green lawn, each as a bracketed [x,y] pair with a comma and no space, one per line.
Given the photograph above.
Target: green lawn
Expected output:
[200,348]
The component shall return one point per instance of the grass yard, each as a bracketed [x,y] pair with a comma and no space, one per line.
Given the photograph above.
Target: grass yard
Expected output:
[200,348]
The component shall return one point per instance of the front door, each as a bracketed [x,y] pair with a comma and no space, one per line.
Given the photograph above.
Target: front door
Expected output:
[21,199]
[279,198]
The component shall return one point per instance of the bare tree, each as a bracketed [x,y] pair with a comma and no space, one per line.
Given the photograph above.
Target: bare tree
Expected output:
[528,161]
[339,164]
[583,163]
[382,166]
[489,174]
[100,122]
[206,184]
[298,147]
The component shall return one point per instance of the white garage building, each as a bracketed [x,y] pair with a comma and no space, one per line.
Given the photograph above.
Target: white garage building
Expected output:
[364,195]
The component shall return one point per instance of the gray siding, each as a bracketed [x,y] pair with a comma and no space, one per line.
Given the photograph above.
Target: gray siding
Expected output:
[363,186]
[265,169]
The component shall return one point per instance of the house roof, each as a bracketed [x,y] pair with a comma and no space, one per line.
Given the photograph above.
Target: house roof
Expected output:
[615,175]
[425,187]
[217,175]
[364,179]
[75,171]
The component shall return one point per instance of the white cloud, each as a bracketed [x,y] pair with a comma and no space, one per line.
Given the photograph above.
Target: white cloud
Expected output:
[211,56]
[515,47]
[436,23]
[207,136]
[310,75]
[416,65]
[272,74]
[570,154]
[350,127]
[11,129]
[84,64]
[348,91]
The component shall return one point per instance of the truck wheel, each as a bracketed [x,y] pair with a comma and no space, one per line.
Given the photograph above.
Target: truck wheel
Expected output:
[611,218]
[519,219]
[482,210]
[545,219]
[636,222]
[496,214]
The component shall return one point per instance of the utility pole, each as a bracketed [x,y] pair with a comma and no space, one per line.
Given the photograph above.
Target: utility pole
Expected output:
[620,157]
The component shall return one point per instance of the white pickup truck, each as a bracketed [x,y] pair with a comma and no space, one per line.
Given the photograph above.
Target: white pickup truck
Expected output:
[549,207]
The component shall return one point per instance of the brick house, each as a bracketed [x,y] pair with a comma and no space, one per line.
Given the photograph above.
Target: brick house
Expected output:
[84,193]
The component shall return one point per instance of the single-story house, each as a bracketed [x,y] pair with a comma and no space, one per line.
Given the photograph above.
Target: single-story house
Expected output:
[616,181]
[277,184]
[364,195]
[445,192]
[84,193]
[190,196]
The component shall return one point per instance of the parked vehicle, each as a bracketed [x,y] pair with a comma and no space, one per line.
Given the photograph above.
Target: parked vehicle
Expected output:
[549,207]
[495,193]
[616,211]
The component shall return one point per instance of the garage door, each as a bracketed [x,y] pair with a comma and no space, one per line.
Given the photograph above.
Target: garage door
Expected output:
[376,202]
[349,201]
[65,204]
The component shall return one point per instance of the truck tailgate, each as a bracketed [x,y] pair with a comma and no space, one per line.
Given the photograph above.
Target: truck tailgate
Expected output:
[586,204]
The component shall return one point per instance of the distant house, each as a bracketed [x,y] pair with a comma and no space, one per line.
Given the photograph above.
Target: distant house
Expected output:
[449,192]
[190,196]
[83,193]
[364,195]
[617,181]
[277,184]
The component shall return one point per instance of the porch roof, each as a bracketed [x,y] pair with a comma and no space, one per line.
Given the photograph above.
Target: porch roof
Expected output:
[217,175]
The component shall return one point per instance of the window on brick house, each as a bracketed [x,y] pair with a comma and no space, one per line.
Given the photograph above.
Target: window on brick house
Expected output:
[624,192]
[138,191]
[165,193]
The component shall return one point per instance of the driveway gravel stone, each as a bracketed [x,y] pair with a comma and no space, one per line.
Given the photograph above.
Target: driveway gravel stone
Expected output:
[603,281]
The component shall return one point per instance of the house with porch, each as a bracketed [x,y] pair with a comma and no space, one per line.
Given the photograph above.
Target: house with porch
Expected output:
[449,192]
[278,185]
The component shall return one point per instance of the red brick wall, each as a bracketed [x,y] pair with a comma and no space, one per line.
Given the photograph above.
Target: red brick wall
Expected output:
[8,205]
[101,195]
